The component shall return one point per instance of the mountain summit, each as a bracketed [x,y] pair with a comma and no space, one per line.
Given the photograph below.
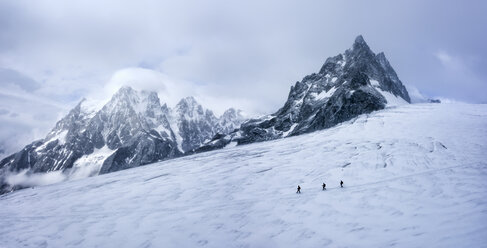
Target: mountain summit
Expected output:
[134,129]
[352,83]
[130,130]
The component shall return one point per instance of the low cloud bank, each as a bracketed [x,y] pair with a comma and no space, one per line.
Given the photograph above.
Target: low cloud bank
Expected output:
[28,179]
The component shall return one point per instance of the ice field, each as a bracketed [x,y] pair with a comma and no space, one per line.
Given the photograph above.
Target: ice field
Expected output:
[414,176]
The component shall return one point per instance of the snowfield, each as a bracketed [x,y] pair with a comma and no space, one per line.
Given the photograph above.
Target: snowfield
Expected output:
[414,176]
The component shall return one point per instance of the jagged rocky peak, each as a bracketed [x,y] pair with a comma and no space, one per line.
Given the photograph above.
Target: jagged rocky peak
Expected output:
[188,102]
[349,84]
[230,120]
[125,95]
[190,107]
[74,115]
[359,40]
[151,98]
[232,113]
[195,124]
[360,45]
[129,130]
[139,101]
[359,53]
[381,57]
[150,105]
[361,58]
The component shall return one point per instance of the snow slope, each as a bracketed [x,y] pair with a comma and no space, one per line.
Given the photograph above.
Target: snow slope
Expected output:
[415,176]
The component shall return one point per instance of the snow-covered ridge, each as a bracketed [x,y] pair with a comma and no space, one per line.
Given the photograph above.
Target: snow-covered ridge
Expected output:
[133,128]
[140,130]
[414,177]
[352,83]
[90,164]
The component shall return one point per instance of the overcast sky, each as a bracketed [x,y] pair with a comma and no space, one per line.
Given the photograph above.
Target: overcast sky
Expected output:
[244,54]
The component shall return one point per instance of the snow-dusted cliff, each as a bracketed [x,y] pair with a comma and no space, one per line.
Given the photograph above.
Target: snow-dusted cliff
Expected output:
[349,84]
[130,130]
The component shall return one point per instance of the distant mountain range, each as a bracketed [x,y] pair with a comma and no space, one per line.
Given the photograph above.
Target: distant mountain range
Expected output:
[355,82]
[134,129]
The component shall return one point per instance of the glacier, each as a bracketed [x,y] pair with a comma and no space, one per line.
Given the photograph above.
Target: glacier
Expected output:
[135,129]
[414,176]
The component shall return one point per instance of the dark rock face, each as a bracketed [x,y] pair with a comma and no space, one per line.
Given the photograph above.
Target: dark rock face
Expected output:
[196,125]
[142,150]
[129,119]
[347,85]
[132,129]
[61,146]
[345,105]
[229,121]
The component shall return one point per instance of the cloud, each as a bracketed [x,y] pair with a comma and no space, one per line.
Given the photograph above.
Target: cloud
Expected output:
[9,76]
[444,57]
[459,80]
[25,115]
[450,62]
[26,179]
[415,95]
[240,54]
[171,90]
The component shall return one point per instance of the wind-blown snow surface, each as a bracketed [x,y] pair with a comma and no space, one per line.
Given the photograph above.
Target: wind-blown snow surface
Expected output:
[415,176]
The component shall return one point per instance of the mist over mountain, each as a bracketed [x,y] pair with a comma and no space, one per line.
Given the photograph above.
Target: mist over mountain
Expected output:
[243,124]
[133,128]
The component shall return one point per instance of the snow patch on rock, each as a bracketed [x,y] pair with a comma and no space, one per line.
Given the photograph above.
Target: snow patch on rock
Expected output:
[90,165]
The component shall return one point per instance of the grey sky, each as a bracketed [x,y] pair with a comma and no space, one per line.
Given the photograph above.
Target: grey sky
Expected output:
[244,54]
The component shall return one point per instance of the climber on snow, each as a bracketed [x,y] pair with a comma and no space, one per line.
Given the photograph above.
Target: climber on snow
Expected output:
[299,190]
[341,183]
[324,186]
